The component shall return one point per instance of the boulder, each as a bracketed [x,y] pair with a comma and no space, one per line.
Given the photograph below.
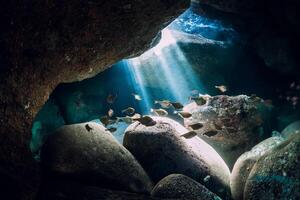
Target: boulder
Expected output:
[276,175]
[182,187]
[292,129]
[232,125]
[162,151]
[245,162]
[89,153]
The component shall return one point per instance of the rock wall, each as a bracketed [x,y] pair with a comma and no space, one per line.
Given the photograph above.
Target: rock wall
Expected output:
[44,43]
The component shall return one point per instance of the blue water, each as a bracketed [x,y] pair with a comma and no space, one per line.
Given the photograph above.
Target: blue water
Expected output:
[194,54]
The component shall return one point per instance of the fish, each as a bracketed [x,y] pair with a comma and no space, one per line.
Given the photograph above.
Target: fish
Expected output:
[126,119]
[160,112]
[211,133]
[200,101]
[146,121]
[136,116]
[222,88]
[110,112]
[88,128]
[111,129]
[129,111]
[183,114]
[177,105]
[196,126]
[195,92]
[137,97]
[104,120]
[163,103]
[111,98]
[189,135]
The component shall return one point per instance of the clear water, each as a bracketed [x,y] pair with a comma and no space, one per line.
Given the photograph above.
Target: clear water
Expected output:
[195,53]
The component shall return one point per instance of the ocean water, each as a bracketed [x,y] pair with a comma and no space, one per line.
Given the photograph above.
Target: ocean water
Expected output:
[194,55]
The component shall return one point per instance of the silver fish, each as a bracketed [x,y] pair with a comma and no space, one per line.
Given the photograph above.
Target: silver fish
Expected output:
[189,135]
[128,111]
[164,103]
[160,112]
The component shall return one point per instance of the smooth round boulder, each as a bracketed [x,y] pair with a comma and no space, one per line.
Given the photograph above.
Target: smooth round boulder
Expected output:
[245,162]
[292,129]
[89,153]
[178,186]
[276,175]
[162,150]
[230,124]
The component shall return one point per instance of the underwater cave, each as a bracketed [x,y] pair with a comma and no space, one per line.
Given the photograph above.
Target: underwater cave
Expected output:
[139,100]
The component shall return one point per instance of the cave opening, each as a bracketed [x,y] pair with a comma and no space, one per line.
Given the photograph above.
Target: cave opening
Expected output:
[197,58]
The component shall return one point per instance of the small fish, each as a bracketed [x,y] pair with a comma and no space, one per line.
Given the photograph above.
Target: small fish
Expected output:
[146,120]
[222,88]
[104,120]
[163,103]
[137,97]
[112,129]
[88,128]
[160,112]
[136,116]
[111,98]
[129,111]
[211,133]
[200,101]
[196,126]
[127,119]
[292,85]
[189,135]
[110,112]
[183,114]
[195,92]
[177,105]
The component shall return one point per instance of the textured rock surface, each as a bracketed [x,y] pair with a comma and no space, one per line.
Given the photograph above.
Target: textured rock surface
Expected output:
[162,151]
[291,130]
[244,164]
[230,124]
[44,43]
[276,175]
[61,189]
[93,156]
[180,186]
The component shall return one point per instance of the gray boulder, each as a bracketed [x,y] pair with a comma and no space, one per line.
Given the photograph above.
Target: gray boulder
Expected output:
[292,129]
[232,125]
[276,175]
[244,164]
[89,153]
[182,187]
[162,151]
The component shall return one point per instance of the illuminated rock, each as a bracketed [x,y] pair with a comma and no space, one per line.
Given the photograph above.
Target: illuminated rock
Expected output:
[244,164]
[182,187]
[276,175]
[162,151]
[89,153]
[232,125]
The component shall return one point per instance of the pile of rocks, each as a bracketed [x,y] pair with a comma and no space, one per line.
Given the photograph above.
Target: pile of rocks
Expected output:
[160,162]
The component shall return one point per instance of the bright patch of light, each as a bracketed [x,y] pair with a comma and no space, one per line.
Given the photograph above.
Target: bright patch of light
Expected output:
[166,40]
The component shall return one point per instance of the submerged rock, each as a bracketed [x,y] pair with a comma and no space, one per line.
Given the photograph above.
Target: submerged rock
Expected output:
[230,124]
[244,164]
[182,187]
[89,153]
[276,175]
[292,129]
[162,151]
